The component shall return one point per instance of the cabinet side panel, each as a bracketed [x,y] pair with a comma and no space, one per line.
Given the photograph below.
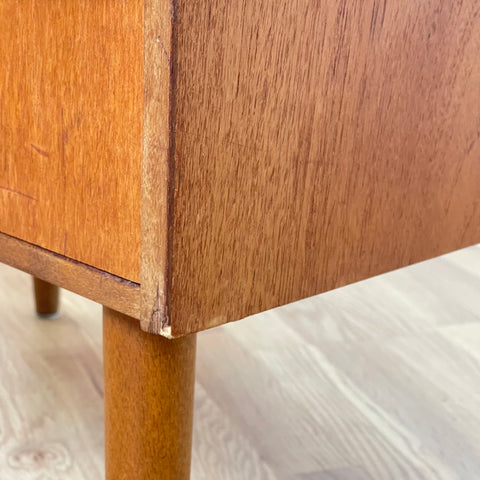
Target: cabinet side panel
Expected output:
[71,128]
[317,144]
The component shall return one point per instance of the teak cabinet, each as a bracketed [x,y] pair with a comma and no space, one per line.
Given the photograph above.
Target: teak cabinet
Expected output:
[187,164]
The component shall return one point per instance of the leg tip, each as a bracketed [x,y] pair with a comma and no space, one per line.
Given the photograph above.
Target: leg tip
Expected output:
[47,316]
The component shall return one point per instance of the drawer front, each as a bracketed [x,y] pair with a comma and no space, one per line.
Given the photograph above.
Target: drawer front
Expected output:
[71,129]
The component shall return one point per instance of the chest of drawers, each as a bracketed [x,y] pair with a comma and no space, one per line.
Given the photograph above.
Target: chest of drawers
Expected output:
[187,164]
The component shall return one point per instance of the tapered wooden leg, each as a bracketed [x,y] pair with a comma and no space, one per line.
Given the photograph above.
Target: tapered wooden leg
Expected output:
[148,382]
[46,298]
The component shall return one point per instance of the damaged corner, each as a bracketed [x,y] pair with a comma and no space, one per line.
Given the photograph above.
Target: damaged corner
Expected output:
[158,320]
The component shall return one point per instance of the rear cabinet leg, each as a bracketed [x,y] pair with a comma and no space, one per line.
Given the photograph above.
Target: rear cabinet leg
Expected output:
[46,298]
[149,383]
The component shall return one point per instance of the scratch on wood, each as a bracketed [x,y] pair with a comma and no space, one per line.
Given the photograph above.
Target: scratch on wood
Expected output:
[159,315]
[160,42]
[15,192]
[41,152]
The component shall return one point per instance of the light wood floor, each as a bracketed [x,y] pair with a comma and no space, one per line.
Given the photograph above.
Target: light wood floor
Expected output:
[376,381]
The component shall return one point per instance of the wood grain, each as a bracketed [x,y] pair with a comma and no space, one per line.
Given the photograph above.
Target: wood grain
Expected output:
[149,383]
[92,283]
[318,143]
[158,144]
[71,128]
[51,388]
[234,156]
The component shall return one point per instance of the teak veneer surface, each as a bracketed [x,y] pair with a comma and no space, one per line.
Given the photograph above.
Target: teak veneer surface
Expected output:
[71,129]
[318,143]
[273,149]
[102,287]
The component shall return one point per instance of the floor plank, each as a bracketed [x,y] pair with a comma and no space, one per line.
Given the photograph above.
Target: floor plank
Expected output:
[375,381]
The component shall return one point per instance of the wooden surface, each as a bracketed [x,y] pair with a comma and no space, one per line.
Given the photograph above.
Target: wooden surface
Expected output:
[71,128]
[157,165]
[374,381]
[234,156]
[318,143]
[46,298]
[148,384]
[114,292]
